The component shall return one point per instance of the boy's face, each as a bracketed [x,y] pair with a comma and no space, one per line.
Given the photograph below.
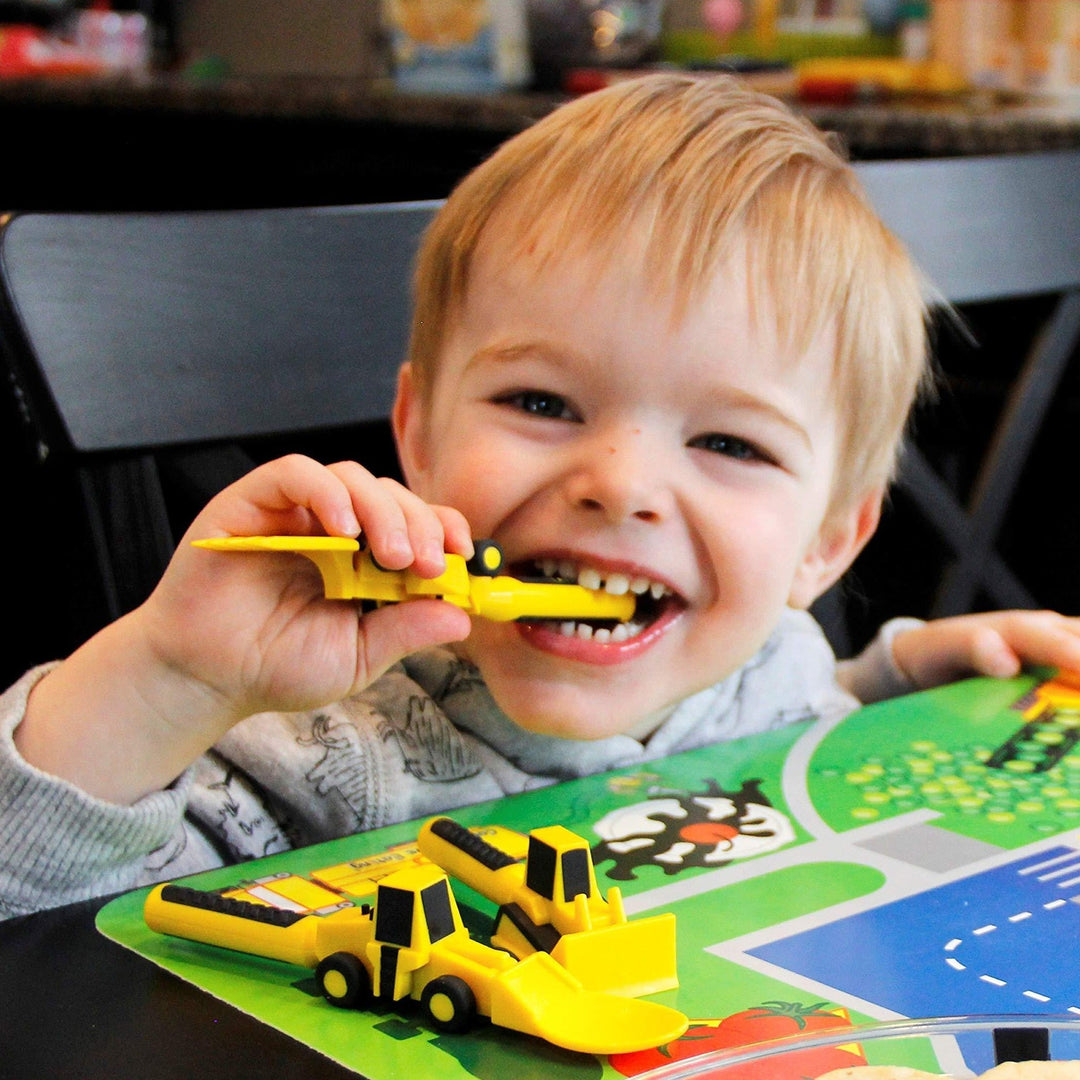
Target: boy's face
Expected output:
[574,420]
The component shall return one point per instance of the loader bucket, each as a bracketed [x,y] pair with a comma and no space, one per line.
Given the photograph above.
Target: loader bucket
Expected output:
[539,998]
[630,958]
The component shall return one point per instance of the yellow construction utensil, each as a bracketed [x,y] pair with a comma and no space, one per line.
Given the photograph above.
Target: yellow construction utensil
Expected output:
[550,903]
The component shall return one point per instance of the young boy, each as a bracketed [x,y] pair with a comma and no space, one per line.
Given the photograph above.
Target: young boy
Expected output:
[660,341]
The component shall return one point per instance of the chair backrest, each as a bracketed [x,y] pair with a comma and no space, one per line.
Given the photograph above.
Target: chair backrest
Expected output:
[157,329]
[985,228]
[127,336]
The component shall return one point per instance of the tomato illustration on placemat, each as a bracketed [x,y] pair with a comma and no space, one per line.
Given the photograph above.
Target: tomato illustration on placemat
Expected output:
[761,1024]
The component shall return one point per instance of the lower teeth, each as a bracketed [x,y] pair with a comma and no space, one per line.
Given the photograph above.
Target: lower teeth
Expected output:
[586,632]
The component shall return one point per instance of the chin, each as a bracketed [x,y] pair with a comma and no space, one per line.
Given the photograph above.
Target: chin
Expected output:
[546,695]
[586,721]
[568,728]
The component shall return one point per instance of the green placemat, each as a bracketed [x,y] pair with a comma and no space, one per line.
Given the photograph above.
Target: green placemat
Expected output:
[735,839]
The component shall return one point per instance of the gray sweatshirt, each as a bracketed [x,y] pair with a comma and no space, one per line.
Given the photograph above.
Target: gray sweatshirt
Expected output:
[425,738]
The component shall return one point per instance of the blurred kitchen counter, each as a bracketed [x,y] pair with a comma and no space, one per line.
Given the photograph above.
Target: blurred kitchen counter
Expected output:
[162,142]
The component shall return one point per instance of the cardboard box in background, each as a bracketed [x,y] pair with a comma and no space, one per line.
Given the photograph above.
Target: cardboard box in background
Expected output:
[329,38]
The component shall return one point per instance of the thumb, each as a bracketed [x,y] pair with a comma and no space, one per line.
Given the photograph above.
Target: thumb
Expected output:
[391,633]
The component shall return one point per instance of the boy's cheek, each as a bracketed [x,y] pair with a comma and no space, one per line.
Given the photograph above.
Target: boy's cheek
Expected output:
[484,484]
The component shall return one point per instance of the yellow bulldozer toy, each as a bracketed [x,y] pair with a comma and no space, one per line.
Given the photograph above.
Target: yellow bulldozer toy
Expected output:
[411,944]
[550,903]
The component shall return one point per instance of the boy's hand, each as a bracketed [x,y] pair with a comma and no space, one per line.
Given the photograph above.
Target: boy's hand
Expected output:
[997,643]
[223,636]
[258,631]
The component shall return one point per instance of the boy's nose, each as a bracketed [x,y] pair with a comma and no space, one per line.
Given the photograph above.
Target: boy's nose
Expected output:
[621,477]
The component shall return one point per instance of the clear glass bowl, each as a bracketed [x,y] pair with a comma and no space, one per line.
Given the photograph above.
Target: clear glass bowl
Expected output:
[961,1047]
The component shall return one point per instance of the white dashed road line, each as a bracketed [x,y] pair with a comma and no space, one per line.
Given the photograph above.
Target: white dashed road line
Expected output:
[953,944]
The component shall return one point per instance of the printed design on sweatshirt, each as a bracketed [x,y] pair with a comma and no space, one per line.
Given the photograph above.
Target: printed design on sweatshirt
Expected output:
[462,677]
[763,656]
[748,696]
[795,715]
[342,771]
[242,819]
[432,749]
[168,853]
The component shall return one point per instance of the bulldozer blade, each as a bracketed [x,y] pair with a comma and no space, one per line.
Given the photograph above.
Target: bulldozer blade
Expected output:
[538,997]
[630,958]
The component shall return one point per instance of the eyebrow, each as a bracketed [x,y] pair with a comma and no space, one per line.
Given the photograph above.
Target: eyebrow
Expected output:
[733,397]
[517,351]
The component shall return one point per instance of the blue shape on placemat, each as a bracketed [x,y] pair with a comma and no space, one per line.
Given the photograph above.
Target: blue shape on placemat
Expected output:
[1000,941]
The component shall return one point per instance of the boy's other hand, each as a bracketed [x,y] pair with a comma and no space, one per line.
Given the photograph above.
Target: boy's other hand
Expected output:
[998,643]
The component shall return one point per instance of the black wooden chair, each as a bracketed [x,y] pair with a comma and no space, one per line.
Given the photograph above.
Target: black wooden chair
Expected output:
[143,348]
[988,231]
[153,357]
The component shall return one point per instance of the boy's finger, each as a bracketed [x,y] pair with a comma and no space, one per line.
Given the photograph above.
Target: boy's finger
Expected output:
[427,535]
[378,508]
[1042,638]
[293,494]
[991,654]
[401,529]
[458,534]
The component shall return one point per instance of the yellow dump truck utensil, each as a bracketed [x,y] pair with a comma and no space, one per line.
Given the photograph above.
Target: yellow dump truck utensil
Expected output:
[350,573]
[550,903]
[412,944]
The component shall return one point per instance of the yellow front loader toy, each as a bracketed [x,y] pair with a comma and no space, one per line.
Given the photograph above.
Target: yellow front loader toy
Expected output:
[412,945]
[350,573]
[550,903]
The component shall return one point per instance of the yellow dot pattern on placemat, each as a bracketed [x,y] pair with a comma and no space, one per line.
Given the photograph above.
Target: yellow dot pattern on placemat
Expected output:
[962,780]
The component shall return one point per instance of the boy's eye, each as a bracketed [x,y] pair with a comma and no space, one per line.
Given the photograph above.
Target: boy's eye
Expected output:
[539,403]
[729,446]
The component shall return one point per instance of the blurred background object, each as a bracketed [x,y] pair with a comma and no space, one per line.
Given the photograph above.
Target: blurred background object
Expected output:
[61,39]
[982,40]
[1011,46]
[567,34]
[700,31]
[458,45]
[1051,45]
[119,41]
[330,38]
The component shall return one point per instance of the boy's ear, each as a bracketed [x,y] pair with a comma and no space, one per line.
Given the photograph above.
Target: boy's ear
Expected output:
[410,429]
[840,538]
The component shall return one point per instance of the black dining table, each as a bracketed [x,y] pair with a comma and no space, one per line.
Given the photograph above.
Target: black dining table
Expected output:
[75,1004]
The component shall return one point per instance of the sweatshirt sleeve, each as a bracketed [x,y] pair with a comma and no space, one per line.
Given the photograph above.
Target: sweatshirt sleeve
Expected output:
[61,845]
[873,675]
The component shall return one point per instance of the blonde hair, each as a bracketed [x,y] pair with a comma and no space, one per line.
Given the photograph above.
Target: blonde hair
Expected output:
[704,163]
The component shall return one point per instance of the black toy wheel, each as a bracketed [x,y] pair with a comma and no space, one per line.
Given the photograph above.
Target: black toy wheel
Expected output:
[344,981]
[487,559]
[449,1004]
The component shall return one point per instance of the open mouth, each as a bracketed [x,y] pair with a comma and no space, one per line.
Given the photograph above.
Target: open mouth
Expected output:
[653,599]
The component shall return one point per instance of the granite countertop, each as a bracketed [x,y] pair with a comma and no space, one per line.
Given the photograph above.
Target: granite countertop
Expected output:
[355,100]
[975,124]
[971,124]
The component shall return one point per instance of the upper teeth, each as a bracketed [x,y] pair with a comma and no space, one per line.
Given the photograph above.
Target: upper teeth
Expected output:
[615,583]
